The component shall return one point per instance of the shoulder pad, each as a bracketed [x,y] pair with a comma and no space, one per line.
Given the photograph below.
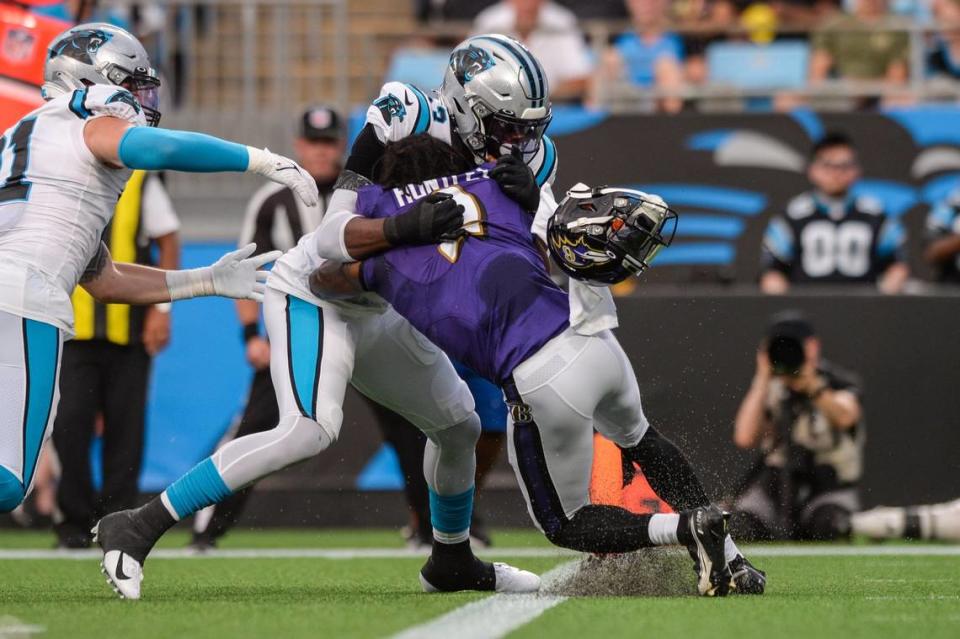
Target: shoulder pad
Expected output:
[869,204]
[544,163]
[106,100]
[801,206]
[399,111]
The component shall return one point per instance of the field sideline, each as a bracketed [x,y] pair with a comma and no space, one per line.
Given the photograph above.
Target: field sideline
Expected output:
[363,584]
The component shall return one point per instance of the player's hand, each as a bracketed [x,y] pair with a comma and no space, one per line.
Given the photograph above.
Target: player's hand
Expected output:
[156,331]
[516,180]
[284,171]
[433,219]
[238,275]
[258,353]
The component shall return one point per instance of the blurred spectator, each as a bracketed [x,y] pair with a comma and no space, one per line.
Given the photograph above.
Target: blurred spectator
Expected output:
[648,56]
[861,46]
[552,35]
[829,235]
[106,368]
[943,58]
[943,239]
[806,417]
[803,12]
[710,20]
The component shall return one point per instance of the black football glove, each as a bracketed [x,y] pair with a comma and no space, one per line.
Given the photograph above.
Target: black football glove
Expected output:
[516,180]
[433,219]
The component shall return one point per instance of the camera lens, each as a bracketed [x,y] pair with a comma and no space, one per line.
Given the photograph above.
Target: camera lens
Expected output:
[786,355]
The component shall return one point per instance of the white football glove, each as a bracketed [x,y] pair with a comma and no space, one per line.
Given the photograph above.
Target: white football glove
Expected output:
[284,171]
[235,275]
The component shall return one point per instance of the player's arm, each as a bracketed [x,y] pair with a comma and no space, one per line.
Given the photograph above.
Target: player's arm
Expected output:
[891,252]
[118,143]
[235,275]
[776,257]
[333,280]
[752,423]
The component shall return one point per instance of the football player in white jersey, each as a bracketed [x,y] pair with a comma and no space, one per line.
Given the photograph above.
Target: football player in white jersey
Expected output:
[62,168]
[319,347]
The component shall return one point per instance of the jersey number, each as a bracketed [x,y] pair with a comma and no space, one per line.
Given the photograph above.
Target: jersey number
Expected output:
[474,221]
[16,187]
[829,248]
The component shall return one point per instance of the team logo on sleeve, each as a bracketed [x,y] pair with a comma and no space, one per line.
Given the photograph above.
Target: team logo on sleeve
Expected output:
[390,107]
[470,62]
[81,45]
[126,98]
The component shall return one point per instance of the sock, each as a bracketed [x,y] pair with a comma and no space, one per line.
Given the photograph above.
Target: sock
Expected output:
[663,529]
[198,488]
[730,550]
[450,516]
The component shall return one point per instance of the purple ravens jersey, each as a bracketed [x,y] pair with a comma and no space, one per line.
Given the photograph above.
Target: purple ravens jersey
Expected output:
[486,299]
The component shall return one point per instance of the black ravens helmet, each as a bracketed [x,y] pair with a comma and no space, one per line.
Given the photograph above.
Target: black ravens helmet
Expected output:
[606,234]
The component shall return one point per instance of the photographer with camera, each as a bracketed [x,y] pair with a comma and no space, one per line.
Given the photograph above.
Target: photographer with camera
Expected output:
[806,417]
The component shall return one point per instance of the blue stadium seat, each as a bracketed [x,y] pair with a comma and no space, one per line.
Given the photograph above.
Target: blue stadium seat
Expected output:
[779,65]
[420,67]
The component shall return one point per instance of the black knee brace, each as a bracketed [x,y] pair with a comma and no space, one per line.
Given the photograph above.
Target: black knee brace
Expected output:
[667,471]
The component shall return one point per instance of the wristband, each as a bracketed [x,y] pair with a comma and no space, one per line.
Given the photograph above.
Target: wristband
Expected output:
[163,307]
[250,331]
[195,282]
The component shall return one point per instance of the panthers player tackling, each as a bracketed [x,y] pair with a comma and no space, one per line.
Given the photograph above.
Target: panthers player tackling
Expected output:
[63,167]
[487,299]
[319,347]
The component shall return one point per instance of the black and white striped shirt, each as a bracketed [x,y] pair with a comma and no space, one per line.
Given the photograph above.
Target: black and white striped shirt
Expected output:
[276,220]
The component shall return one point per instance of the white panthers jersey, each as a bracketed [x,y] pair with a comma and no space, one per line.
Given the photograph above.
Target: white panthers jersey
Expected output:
[56,199]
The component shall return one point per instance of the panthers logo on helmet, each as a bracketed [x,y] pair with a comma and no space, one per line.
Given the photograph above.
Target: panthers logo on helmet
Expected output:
[81,45]
[470,62]
[390,107]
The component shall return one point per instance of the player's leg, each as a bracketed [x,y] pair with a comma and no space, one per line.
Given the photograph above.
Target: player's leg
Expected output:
[30,354]
[80,393]
[124,416]
[400,369]
[932,521]
[260,414]
[310,372]
[553,399]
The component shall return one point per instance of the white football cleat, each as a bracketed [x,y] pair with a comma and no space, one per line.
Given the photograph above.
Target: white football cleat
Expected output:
[515,580]
[123,573]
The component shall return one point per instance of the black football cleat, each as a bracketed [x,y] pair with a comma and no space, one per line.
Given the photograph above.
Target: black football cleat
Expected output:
[745,578]
[707,530]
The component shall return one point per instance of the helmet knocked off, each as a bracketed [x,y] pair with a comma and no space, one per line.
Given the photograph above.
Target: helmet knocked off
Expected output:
[496,92]
[100,53]
[606,234]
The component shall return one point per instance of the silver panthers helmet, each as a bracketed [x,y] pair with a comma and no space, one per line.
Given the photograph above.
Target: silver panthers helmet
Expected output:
[100,53]
[496,92]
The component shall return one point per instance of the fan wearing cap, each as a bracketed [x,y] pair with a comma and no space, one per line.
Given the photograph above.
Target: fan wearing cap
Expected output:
[805,415]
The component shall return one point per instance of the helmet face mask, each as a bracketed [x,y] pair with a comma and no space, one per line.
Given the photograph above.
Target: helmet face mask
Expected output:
[497,96]
[606,235]
[100,53]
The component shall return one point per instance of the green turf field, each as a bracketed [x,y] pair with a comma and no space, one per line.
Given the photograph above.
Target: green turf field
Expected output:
[890,595]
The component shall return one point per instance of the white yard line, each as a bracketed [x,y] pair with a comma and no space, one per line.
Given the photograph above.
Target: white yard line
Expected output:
[493,617]
[400,553]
